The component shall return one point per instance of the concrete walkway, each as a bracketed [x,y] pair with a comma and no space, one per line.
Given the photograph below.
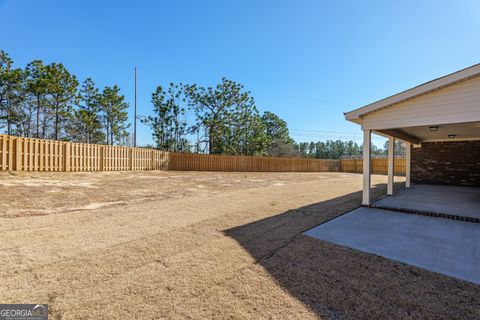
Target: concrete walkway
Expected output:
[441,245]
[460,201]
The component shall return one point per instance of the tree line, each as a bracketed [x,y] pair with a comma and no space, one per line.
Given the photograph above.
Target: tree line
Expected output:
[46,101]
[336,149]
[329,149]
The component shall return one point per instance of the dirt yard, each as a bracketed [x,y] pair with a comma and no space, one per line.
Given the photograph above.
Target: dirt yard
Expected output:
[176,245]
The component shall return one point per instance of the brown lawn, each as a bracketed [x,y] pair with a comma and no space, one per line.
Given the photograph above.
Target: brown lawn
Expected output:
[154,245]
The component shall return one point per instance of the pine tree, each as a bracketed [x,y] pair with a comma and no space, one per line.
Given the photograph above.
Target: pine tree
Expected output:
[87,117]
[11,93]
[246,133]
[115,115]
[62,93]
[220,112]
[36,86]
[168,125]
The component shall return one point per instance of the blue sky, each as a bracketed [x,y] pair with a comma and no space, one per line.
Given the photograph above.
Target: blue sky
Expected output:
[307,60]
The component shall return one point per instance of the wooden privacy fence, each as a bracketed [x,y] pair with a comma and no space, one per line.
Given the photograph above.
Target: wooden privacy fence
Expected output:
[203,162]
[379,165]
[28,154]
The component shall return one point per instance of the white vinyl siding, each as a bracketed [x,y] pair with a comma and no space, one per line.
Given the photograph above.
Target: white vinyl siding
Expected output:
[454,104]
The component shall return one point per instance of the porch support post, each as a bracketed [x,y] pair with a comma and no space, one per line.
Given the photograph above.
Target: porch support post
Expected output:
[408,163]
[391,158]
[366,166]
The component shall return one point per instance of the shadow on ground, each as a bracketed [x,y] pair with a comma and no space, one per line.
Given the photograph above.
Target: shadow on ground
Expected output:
[340,283]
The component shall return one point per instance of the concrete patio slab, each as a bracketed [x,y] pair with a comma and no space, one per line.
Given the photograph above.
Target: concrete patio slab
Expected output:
[453,200]
[445,246]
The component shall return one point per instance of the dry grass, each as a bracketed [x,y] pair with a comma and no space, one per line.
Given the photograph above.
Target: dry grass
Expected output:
[150,245]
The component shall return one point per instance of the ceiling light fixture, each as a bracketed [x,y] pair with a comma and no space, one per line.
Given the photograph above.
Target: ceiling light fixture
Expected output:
[433,128]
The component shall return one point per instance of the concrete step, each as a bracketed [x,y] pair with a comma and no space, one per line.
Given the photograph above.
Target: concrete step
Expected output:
[426,213]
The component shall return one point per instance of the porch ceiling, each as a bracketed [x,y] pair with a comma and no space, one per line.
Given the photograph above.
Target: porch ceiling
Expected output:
[461,131]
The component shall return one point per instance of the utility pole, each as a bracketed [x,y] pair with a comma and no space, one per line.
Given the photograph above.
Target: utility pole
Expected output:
[135,113]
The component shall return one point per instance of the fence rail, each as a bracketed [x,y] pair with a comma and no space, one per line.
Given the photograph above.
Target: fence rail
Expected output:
[28,154]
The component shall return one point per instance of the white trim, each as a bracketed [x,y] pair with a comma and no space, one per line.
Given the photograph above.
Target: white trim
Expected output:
[379,133]
[408,164]
[390,161]
[435,120]
[424,88]
[396,135]
[367,134]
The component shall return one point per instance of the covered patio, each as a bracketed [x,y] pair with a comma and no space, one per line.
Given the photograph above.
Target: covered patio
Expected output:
[434,222]
[439,123]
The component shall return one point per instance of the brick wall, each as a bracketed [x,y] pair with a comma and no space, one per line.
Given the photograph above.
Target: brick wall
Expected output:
[447,163]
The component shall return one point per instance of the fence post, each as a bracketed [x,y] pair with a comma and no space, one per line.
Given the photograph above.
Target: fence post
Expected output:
[130,159]
[102,157]
[4,152]
[18,154]
[66,155]
[152,166]
[10,153]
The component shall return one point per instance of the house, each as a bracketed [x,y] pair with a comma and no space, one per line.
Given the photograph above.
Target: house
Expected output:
[440,123]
